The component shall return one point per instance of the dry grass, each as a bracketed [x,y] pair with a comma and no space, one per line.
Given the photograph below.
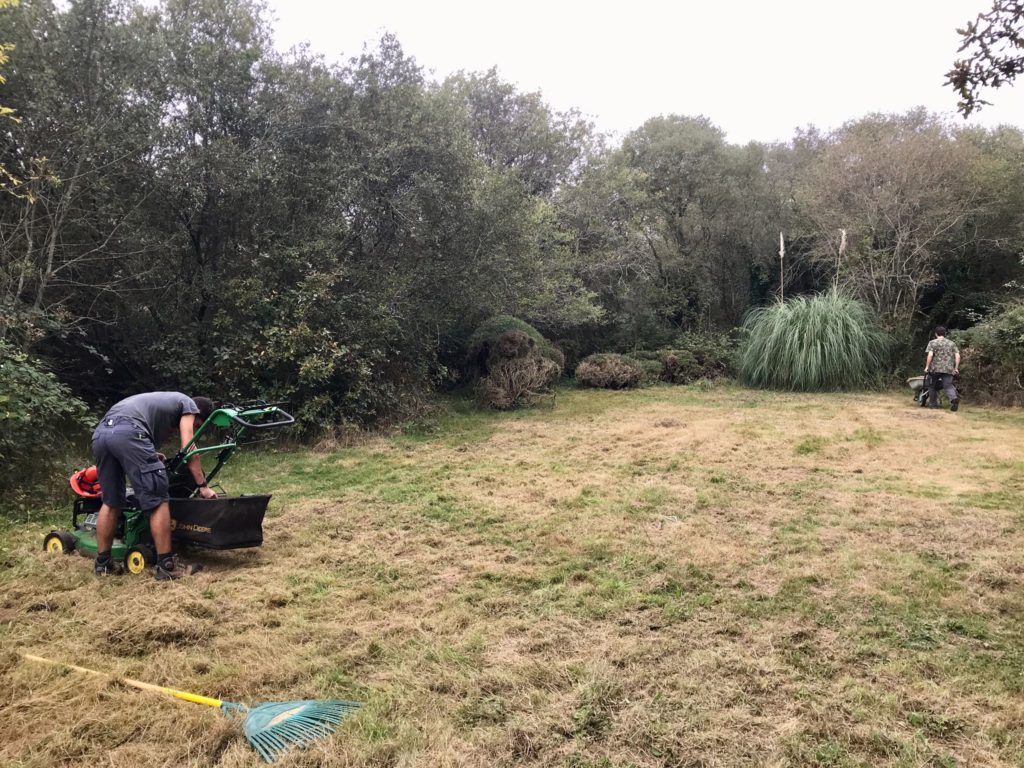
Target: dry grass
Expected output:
[668,577]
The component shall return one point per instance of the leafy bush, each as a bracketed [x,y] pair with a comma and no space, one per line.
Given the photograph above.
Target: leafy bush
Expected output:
[694,356]
[40,420]
[673,366]
[652,369]
[824,342]
[609,371]
[992,352]
[554,354]
[570,349]
[713,354]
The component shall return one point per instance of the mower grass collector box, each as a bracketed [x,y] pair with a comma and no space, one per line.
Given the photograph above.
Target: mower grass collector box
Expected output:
[229,522]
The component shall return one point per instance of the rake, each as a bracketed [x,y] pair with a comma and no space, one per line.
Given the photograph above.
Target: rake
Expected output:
[271,728]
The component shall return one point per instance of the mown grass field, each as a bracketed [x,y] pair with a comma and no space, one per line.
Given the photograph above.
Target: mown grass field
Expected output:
[668,577]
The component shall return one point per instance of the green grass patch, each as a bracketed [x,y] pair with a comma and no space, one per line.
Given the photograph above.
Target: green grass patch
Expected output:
[811,444]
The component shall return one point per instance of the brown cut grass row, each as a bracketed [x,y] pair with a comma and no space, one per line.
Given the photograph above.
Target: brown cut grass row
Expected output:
[665,577]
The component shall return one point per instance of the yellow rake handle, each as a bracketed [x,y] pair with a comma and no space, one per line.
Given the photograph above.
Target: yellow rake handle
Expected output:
[195,698]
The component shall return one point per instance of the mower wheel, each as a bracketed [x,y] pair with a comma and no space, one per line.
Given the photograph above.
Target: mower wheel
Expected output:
[139,558]
[59,543]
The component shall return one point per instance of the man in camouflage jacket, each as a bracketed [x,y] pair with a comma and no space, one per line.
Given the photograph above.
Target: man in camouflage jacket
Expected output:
[941,365]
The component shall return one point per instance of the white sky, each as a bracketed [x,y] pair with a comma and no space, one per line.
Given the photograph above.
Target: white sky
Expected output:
[757,68]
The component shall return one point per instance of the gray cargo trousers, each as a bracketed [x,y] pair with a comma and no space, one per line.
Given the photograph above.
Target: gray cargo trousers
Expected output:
[123,449]
[937,381]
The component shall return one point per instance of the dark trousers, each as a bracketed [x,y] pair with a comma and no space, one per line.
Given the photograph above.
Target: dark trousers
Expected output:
[943,381]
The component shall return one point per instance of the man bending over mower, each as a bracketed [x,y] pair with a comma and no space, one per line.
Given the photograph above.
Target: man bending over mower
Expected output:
[125,444]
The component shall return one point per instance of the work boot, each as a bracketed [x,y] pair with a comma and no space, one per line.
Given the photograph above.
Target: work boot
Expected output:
[108,567]
[172,568]
[955,405]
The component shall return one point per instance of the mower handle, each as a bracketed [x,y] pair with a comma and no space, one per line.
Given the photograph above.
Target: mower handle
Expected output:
[288,419]
[234,416]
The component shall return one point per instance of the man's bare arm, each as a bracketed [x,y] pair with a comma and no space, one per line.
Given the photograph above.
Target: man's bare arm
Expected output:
[187,429]
[928,362]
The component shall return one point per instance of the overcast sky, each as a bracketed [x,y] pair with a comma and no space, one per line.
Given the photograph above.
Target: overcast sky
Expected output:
[757,68]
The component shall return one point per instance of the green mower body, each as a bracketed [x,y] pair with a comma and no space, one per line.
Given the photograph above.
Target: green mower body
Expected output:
[133,543]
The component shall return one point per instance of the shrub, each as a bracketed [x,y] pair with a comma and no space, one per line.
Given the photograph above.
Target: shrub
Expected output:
[672,365]
[512,370]
[570,354]
[992,352]
[652,371]
[516,382]
[651,363]
[554,354]
[694,356]
[339,359]
[40,421]
[678,366]
[824,342]
[494,327]
[713,354]
[479,346]
[609,371]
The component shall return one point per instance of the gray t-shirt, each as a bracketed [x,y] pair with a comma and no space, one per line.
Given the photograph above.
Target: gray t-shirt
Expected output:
[158,413]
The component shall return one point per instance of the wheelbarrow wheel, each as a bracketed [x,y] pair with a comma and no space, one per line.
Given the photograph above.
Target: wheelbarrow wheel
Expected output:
[59,543]
[139,558]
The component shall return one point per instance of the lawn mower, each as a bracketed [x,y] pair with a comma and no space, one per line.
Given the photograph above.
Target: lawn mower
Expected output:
[227,522]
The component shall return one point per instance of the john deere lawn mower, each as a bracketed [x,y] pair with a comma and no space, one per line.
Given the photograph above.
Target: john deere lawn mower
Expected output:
[227,522]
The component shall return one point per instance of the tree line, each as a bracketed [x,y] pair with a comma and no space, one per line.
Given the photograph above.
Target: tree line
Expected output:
[185,207]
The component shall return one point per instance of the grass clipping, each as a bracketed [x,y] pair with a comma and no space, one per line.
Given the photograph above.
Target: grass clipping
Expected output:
[820,343]
[646,578]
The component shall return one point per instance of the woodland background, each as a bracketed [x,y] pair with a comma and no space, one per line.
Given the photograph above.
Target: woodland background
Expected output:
[186,208]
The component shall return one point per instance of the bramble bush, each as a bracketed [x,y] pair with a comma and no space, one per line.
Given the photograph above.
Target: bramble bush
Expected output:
[609,371]
[40,421]
[713,354]
[992,364]
[511,363]
[693,356]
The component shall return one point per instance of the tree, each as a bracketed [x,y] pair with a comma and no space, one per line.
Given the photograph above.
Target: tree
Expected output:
[83,92]
[8,181]
[902,188]
[995,43]
[676,225]
[520,132]
[982,266]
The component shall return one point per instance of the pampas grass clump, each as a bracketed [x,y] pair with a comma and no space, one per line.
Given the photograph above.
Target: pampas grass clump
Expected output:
[810,344]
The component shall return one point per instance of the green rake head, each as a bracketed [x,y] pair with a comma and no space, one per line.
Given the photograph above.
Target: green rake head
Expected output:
[275,728]
[272,729]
